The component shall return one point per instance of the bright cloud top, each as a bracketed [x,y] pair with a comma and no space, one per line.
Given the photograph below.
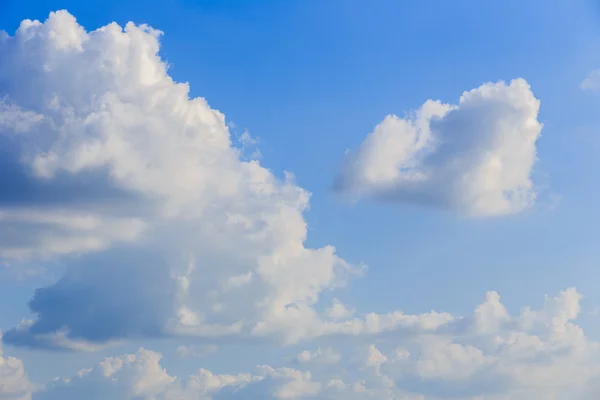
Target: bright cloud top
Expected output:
[537,355]
[475,157]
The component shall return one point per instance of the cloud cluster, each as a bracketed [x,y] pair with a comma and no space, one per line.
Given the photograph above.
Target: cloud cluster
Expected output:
[475,157]
[490,354]
[141,376]
[165,229]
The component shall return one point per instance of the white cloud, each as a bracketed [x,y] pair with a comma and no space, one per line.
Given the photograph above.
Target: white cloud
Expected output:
[592,81]
[14,383]
[475,157]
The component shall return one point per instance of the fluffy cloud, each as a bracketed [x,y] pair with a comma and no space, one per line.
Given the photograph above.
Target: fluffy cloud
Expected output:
[475,157]
[14,383]
[493,355]
[125,377]
[141,376]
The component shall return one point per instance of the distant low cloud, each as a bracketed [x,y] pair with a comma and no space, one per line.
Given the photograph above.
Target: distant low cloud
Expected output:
[538,354]
[475,158]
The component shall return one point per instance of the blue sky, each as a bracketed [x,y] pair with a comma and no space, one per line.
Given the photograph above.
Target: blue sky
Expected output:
[309,80]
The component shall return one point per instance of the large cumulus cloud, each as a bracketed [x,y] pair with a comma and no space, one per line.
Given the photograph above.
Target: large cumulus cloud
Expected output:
[475,157]
[183,238]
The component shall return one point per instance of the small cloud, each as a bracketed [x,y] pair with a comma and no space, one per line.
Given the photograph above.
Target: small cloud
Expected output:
[592,82]
[196,351]
[326,356]
[247,140]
